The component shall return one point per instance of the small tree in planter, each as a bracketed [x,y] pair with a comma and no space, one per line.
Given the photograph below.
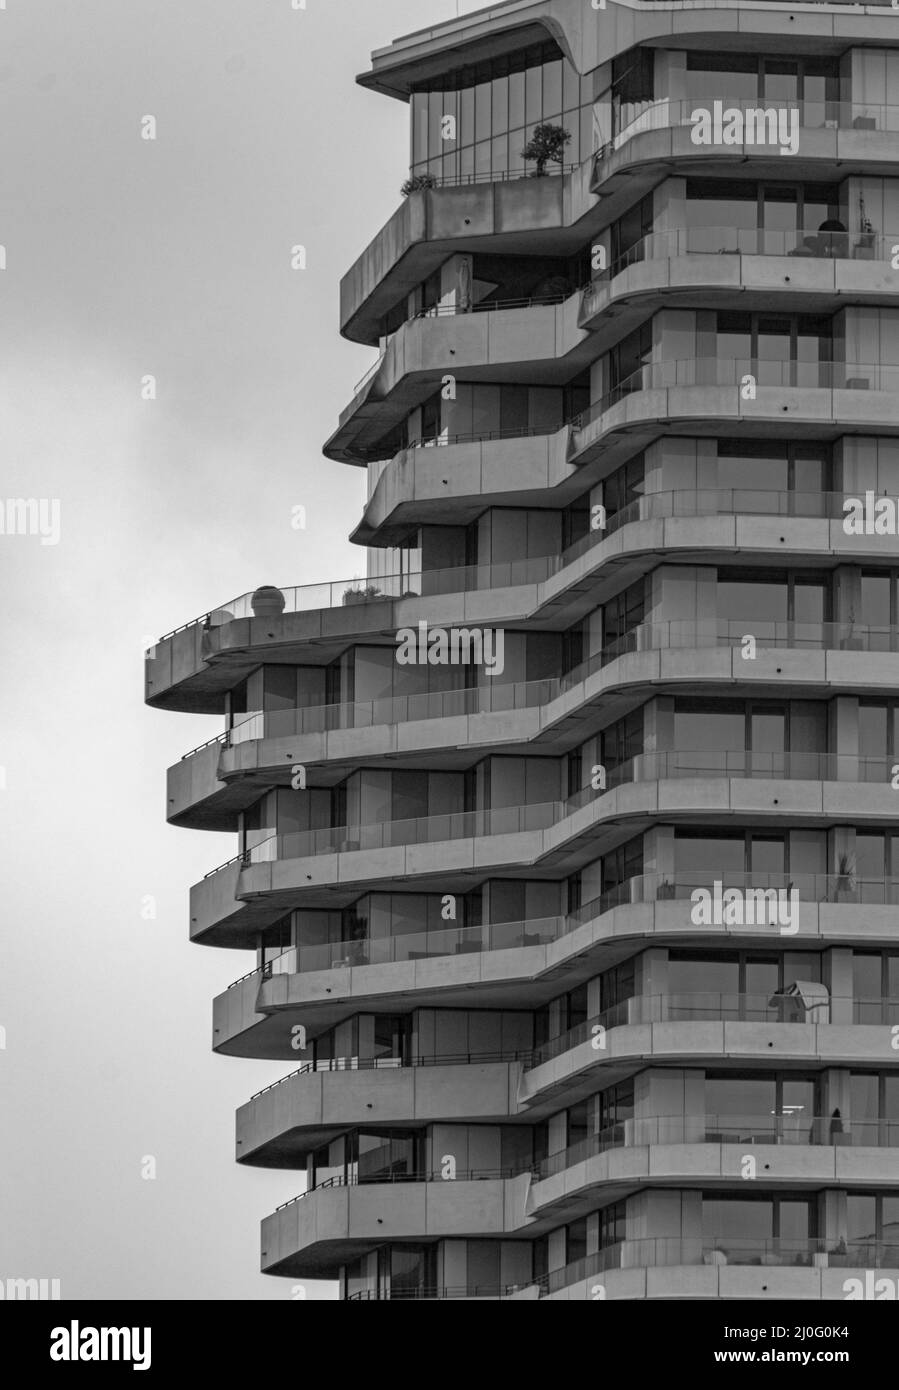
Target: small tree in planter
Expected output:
[546,146]
[417,182]
[846,881]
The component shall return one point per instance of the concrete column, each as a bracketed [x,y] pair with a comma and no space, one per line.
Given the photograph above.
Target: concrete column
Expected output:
[841,985]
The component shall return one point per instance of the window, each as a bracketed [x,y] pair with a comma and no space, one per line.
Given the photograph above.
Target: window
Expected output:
[772,599]
[612,1225]
[875,986]
[753,1226]
[632,86]
[873,1221]
[576,1241]
[618,985]
[628,233]
[879,608]
[753,467]
[700,855]
[621,615]
[627,360]
[761,1107]
[622,742]
[622,864]
[745,77]
[624,486]
[876,867]
[778,349]
[496,105]
[874,1109]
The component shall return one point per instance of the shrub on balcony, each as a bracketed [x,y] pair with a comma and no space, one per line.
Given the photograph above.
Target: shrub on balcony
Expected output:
[546,146]
[363,595]
[418,182]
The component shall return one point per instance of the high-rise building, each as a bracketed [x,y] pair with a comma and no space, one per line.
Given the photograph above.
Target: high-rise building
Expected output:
[568,841]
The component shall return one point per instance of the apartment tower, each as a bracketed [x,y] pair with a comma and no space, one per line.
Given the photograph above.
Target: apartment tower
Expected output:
[568,843]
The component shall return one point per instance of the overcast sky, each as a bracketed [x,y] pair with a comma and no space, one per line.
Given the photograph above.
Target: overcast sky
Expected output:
[128,258]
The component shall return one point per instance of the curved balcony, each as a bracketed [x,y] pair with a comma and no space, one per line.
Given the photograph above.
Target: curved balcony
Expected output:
[283,1123]
[800,1022]
[711,1151]
[251,1018]
[697,260]
[565,834]
[652,1131]
[716,1267]
[706,393]
[856,135]
[705,266]
[182,670]
[341,1219]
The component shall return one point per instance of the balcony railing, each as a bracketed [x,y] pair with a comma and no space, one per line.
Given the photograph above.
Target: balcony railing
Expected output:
[675,634]
[695,1007]
[341,1064]
[794,1128]
[672,1251]
[426,1293]
[679,113]
[712,372]
[810,887]
[492,176]
[388,950]
[391,1177]
[673,242]
[513,820]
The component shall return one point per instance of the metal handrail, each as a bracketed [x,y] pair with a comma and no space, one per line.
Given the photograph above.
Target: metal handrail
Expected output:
[681,502]
[435,1175]
[491,176]
[638,1131]
[343,1064]
[541,816]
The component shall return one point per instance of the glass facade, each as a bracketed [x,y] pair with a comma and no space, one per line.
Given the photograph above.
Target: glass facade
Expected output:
[476,124]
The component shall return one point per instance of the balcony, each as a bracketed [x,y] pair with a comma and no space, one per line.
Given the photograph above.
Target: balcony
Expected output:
[832,264]
[856,134]
[342,1218]
[753,1130]
[282,1124]
[249,1016]
[557,832]
[680,1254]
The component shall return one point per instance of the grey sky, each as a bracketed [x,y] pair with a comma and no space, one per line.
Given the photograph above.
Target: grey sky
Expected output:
[127,258]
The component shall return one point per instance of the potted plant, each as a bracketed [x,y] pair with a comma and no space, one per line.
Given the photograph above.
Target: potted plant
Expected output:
[364,594]
[838,1257]
[416,182]
[854,638]
[845,876]
[546,146]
